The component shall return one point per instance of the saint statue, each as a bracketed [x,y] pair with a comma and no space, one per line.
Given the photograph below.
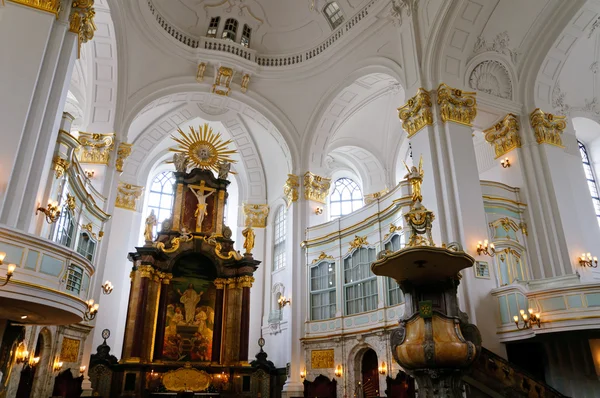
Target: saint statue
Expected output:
[181,162]
[151,221]
[189,299]
[415,177]
[201,208]
[249,235]
[224,170]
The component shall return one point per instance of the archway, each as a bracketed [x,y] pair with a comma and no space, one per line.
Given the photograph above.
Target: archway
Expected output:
[43,349]
[370,376]
[13,336]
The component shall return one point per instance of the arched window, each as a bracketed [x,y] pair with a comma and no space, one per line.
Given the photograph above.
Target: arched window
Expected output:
[589,175]
[161,196]
[213,26]
[333,14]
[322,291]
[246,33]
[395,295]
[63,234]
[345,198]
[279,232]
[360,284]
[230,29]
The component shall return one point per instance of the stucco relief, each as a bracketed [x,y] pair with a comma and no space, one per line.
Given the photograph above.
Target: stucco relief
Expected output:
[491,77]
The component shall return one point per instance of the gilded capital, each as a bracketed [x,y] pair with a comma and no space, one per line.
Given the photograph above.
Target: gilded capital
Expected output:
[245,281]
[316,187]
[81,21]
[51,6]
[547,127]
[95,148]
[219,283]
[146,271]
[456,105]
[504,135]
[416,113]
[60,166]
[127,195]
[166,278]
[255,215]
[290,189]
[123,152]
[231,283]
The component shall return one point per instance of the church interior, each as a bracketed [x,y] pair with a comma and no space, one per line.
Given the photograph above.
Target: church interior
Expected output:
[299,198]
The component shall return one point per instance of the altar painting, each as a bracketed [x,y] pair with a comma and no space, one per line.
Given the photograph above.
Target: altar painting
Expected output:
[190,316]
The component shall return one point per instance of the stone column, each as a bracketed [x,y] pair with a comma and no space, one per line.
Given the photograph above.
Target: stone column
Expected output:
[245,282]
[132,348]
[151,316]
[232,324]
[159,339]
[218,325]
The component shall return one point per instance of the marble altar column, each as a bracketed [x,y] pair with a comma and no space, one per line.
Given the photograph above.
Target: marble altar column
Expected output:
[245,282]
[132,347]
[218,324]
[161,320]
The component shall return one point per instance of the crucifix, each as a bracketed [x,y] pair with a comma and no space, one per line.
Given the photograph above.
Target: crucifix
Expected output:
[201,208]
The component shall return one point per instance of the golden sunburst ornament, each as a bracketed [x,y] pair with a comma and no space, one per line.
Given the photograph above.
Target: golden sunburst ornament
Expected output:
[203,147]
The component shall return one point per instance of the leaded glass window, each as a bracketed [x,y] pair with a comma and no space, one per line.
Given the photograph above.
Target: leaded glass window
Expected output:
[63,234]
[591,180]
[213,26]
[333,13]
[395,295]
[160,198]
[230,29]
[360,284]
[322,291]
[279,231]
[246,33]
[345,198]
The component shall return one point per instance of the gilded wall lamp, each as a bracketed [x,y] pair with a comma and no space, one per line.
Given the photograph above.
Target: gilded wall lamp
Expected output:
[51,212]
[486,248]
[57,366]
[505,163]
[283,301]
[586,260]
[319,211]
[82,369]
[92,310]
[10,269]
[528,320]
[339,371]
[382,368]
[89,174]
[303,373]
[107,287]
[22,355]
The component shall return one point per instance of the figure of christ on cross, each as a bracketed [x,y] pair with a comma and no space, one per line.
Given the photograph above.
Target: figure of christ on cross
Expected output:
[201,209]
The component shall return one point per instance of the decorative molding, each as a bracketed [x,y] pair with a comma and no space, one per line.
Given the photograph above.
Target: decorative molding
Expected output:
[200,73]
[290,189]
[504,135]
[255,215]
[401,7]
[245,82]
[222,81]
[372,197]
[316,187]
[51,6]
[456,105]
[393,229]
[358,242]
[500,44]
[95,148]
[547,127]
[245,281]
[71,202]
[322,257]
[491,77]
[60,166]
[127,195]
[123,152]
[82,21]
[322,359]
[416,113]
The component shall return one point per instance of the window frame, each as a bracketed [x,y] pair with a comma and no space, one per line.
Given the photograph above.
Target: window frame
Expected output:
[352,187]
[279,238]
[163,177]
[213,24]
[592,183]
[335,18]
[246,34]
[230,29]
[355,283]
[323,292]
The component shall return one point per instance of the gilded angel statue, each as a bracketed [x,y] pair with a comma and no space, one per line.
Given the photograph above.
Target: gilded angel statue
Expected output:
[415,177]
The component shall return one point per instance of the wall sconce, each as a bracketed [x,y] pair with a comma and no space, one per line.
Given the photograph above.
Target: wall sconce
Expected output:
[486,248]
[57,366]
[89,173]
[51,211]
[22,355]
[10,269]
[33,361]
[319,211]
[505,163]
[586,260]
[107,287]
[383,368]
[92,310]
[303,373]
[82,369]
[528,320]
[283,301]
[339,371]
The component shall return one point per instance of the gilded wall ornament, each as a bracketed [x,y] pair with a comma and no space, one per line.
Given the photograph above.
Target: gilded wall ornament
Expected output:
[415,178]
[372,197]
[507,225]
[322,257]
[127,195]
[249,235]
[223,81]
[123,152]
[60,166]
[322,359]
[456,105]
[358,242]
[504,135]
[186,379]
[52,6]
[393,229]
[290,189]
[245,281]
[316,187]
[255,215]
[200,73]
[82,21]
[547,127]
[71,203]
[203,148]
[245,82]
[416,113]
[95,148]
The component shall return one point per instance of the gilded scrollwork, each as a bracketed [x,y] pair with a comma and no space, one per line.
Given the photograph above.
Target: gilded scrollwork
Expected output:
[416,113]
[223,81]
[548,128]
[123,152]
[127,195]
[71,202]
[456,105]
[52,6]
[186,379]
[322,257]
[372,197]
[255,215]
[60,166]
[82,21]
[175,242]
[245,82]
[358,242]
[393,229]
[504,135]
[200,72]
[290,189]
[316,187]
[95,148]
